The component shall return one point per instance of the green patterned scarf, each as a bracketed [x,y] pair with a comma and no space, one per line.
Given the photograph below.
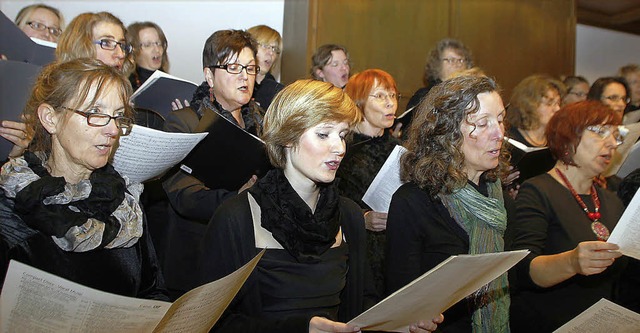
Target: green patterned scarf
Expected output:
[485,220]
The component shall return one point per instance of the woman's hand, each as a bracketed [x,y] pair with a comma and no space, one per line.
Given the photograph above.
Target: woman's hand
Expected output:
[177,105]
[324,325]
[375,221]
[249,183]
[593,257]
[428,326]
[16,132]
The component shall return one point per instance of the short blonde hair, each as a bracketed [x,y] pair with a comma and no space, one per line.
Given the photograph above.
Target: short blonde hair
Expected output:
[76,40]
[25,14]
[300,106]
[264,34]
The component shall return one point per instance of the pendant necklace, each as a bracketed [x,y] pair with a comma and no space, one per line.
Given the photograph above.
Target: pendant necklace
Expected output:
[597,227]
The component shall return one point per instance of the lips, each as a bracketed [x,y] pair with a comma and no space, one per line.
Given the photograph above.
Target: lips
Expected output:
[333,165]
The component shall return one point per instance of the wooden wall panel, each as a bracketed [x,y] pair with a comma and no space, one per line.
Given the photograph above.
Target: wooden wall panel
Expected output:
[510,39]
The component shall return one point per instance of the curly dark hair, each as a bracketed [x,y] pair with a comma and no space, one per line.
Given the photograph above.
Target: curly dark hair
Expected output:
[434,159]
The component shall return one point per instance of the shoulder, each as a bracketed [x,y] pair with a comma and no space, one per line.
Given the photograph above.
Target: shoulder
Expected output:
[411,192]
[12,229]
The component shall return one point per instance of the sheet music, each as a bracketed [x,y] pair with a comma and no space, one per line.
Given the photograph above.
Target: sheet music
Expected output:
[436,290]
[36,301]
[147,153]
[623,150]
[384,185]
[627,231]
[603,317]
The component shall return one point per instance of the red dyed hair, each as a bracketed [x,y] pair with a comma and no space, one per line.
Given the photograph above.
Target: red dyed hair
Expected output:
[564,130]
[360,85]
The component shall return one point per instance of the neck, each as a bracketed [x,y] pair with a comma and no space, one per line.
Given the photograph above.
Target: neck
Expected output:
[72,175]
[580,182]
[474,176]
[366,128]
[306,188]
[535,137]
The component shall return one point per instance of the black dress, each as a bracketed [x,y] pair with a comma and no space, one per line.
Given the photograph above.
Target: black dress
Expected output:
[550,221]
[364,158]
[282,294]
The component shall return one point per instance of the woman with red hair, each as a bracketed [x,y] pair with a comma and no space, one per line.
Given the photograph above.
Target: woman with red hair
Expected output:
[375,94]
[564,218]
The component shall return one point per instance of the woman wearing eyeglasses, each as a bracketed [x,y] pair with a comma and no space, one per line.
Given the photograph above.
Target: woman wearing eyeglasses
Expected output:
[577,89]
[375,94]
[612,91]
[230,69]
[89,35]
[41,21]
[447,57]
[149,52]
[564,218]
[63,208]
[269,49]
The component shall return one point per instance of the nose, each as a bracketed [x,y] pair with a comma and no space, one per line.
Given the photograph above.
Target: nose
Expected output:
[111,129]
[338,146]
[556,107]
[118,52]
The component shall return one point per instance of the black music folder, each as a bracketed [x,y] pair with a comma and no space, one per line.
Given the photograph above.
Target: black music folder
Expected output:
[160,89]
[16,82]
[530,161]
[228,156]
[17,46]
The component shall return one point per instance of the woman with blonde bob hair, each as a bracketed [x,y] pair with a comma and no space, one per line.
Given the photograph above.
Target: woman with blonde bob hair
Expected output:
[304,282]
[268,57]
[41,21]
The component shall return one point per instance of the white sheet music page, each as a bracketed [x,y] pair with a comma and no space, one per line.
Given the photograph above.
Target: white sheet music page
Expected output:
[386,182]
[147,153]
[627,232]
[603,317]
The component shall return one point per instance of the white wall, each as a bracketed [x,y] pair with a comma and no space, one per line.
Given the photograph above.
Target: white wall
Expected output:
[600,52]
[187,24]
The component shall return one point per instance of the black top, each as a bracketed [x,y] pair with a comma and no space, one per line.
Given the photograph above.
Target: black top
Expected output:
[362,162]
[230,242]
[549,221]
[417,97]
[265,91]
[139,76]
[420,235]
[131,271]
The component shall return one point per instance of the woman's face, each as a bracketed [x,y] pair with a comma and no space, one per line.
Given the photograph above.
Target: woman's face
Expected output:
[233,90]
[267,56]
[46,20]
[483,134]
[577,93]
[614,95]
[110,31]
[452,62]
[151,49]
[633,80]
[77,148]
[380,107]
[549,104]
[595,149]
[336,71]
[317,156]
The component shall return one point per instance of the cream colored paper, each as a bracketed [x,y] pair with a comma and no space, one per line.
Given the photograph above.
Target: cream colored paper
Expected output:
[626,234]
[436,290]
[36,301]
[147,153]
[623,151]
[603,317]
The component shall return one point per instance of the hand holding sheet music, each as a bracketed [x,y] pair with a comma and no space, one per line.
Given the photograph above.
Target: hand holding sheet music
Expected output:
[160,89]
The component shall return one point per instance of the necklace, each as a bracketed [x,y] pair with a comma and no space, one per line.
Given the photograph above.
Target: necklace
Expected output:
[597,227]
[526,135]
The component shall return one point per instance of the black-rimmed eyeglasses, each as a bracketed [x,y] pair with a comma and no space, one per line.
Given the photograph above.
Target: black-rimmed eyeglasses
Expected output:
[110,44]
[97,119]
[41,27]
[237,68]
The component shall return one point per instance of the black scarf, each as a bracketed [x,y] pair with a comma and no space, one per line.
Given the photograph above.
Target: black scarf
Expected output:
[304,234]
[107,193]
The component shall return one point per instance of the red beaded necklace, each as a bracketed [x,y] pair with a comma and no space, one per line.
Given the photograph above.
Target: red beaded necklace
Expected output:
[597,227]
